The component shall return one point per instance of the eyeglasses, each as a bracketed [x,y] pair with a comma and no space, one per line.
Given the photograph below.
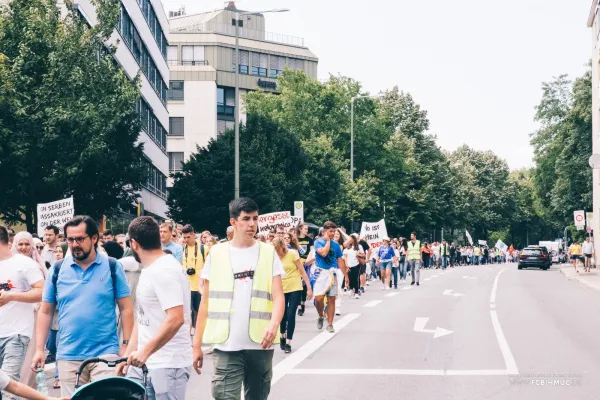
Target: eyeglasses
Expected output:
[77,239]
[174,236]
[40,247]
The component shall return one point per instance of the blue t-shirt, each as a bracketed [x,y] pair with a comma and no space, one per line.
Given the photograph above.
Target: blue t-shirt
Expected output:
[176,249]
[330,261]
[87,318]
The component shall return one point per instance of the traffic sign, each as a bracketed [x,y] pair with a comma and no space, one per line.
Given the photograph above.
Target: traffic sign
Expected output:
[579,217]
[299,209]
[589,229]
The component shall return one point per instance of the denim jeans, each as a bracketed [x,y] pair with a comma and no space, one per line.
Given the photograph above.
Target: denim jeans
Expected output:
[402,269]
[444,261]
[12,354]
[394,277]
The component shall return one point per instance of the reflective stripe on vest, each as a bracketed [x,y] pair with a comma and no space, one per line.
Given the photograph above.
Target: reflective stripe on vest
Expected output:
[414,250]
[220,295]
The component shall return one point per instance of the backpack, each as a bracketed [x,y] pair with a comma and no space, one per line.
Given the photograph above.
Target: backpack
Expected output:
[112,263]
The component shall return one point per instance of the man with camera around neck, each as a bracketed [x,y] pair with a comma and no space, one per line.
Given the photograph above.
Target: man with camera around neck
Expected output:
[194,255]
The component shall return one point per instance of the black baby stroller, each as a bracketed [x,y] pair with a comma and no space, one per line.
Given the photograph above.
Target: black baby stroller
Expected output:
[112,388]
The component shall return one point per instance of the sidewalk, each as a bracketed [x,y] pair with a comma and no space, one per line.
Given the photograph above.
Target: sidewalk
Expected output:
[590,279]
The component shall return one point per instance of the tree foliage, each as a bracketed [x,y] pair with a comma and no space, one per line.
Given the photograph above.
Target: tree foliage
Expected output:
[68,125]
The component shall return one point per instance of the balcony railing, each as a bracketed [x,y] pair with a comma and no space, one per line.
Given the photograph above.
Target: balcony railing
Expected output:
[193,63]
[211,27]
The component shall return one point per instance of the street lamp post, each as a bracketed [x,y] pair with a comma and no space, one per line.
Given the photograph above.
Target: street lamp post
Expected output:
[237,90]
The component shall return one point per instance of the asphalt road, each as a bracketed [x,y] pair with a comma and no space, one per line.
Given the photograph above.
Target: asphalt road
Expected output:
[454,337]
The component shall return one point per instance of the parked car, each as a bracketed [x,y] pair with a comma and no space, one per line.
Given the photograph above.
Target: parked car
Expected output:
[535,257]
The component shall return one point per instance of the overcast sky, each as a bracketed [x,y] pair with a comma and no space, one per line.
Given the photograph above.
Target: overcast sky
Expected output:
[476,66]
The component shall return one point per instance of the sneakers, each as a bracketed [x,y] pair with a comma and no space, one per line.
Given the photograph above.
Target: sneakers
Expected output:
[330,328]
[301,310]
[356,296]
[417,283]
[282,343]
[288,349]
[412,283]
[338,311]
[320,323]
[362,289]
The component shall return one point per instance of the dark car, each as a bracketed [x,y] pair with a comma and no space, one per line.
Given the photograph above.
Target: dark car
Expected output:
[535,257]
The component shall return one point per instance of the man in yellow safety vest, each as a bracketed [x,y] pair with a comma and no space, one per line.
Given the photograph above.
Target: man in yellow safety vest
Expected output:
[241,309]
[414,258]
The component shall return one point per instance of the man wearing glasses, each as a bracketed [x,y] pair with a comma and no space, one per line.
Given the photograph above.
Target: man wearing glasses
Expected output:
[51,239]
[86,287]
[167,237]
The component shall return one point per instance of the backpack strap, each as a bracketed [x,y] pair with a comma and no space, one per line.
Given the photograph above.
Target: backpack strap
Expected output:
[112,263]
[202,252]
[57,266]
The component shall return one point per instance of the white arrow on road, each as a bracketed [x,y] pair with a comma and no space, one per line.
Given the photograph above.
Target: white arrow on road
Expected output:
[421,322]
[449,292]
[469,277]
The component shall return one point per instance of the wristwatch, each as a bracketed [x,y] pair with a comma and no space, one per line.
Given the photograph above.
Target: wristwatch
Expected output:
[125,341]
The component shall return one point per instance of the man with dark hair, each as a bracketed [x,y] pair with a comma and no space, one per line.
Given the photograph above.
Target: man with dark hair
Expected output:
[329,257]
[415,258]
[194,255]
[108,236]
[242,306]
[166,238]
[86,287]
[51,239]
[160,339]
[21,283]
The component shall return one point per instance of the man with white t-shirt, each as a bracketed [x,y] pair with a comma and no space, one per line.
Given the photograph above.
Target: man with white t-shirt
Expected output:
[160,339]
[21,284]
[588,251]
[241,308]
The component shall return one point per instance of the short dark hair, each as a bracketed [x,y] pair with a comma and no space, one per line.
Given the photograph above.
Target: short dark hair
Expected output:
[413,233]
[108,232]
[52,228]
[3,235]
[146,232]
[243,204]
[329,225]
[35,235]
[91,228]
[187,229]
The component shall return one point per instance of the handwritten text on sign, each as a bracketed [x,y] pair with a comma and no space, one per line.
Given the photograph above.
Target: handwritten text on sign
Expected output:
[56,213]
[373,233]
[268,222]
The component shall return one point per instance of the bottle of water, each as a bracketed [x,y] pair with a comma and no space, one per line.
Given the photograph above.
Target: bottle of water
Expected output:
[40,380]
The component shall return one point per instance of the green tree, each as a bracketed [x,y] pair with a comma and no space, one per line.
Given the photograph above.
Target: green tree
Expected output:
[68,124]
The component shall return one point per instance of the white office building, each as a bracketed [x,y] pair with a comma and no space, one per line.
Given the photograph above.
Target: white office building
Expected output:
[142,33]
[201,58]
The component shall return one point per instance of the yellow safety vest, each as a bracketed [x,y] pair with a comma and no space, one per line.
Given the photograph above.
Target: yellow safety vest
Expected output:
[220,295]
[414,250]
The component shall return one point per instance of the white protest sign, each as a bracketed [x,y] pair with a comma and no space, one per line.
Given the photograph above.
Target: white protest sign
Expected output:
[469,237]
[500,245]
[56,213]
[299,209]
[373,233]
[483,243]
[268,222]
[579,218]
[295,220]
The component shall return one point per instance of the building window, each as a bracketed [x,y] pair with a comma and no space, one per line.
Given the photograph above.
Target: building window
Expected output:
[154,25]
[244,61]
[223,126]
[151,125]
[176,126]
[192,55]
[259,64]
[225,103]
[156,182]
[277,64]
[295,63]
[140,52]
[239,21]
[172,55]
[175,90]
[175,161]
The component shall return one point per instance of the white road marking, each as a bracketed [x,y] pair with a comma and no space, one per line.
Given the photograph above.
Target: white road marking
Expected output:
[495,287]
[434,276]
[450,292]
[469,277]
[416,372]
[511,365]
[492,305]
[427,279]
[372,303]
[392,294]
[407,288]
[421,322]
[287,366]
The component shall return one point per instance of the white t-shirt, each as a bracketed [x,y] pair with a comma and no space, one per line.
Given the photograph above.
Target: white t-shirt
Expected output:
[20,272]
[436,250]
[4,380]
[164,285]
[352,256]
[587,248]
[242,260]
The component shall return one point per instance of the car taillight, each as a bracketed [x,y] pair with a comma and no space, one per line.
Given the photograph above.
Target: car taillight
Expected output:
[523,256]
[543,255]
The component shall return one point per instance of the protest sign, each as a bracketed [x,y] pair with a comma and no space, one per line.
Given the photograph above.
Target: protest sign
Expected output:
[483,243]
[373,233]
[295,220]
[56,213]
[500,245]
[268,222]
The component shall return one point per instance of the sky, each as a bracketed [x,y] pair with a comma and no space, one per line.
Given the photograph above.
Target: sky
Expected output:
[476,66]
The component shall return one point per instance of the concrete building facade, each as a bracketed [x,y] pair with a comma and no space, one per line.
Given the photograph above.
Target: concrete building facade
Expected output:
[594,23]
[142,37]
[201,58]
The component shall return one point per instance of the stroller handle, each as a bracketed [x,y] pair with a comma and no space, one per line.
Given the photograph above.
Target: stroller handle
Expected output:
[110,363]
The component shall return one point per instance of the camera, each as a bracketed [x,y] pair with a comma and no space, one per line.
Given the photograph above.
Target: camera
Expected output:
[190,271]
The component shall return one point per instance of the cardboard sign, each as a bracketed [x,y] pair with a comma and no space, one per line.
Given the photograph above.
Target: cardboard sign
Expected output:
[373,233]
[57,213]
[482,242]
[268,222]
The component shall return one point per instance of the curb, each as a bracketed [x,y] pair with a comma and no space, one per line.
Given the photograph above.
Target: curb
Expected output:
[581,280]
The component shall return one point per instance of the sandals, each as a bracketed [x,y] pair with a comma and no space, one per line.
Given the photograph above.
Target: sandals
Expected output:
[56,384]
